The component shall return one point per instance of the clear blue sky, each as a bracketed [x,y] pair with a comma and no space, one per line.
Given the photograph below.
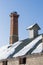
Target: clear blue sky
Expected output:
[30,11]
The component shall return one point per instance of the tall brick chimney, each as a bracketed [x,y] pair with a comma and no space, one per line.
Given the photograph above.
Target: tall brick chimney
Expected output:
[13,27]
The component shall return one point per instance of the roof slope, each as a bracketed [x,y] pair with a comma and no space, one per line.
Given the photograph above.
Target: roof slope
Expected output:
[32,26]
[23,47]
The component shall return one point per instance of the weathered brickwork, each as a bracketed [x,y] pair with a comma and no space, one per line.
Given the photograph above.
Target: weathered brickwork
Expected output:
[14,27]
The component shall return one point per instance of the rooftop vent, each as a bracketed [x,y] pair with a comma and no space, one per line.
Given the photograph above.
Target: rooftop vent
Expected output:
[33,30]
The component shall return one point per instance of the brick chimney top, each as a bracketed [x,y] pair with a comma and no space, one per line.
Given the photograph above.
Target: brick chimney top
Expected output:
[14,14]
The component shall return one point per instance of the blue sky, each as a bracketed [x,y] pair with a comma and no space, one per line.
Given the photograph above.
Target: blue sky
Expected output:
[30,11]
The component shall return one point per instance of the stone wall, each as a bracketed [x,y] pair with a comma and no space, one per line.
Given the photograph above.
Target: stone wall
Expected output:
[13,62]
[34,59]
[1,63]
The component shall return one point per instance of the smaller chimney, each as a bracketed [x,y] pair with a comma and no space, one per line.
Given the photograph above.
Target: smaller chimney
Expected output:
[13,27]
[33,30]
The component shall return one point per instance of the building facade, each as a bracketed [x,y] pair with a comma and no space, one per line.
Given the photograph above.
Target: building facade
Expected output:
[22,52]
[34,59]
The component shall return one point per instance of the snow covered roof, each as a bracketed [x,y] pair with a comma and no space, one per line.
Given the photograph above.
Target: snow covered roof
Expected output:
[32,26]
[20,48]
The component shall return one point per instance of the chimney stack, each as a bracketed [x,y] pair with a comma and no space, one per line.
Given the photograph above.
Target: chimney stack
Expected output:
[13,27]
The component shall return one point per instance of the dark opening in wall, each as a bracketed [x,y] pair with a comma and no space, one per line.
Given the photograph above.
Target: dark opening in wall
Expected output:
[4,62]
[22,60]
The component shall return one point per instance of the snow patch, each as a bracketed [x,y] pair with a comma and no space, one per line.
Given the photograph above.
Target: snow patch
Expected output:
[28,47]
[38,49]
[7,50]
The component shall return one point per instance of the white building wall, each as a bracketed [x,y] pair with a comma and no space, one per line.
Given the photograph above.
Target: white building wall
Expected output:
[31,33]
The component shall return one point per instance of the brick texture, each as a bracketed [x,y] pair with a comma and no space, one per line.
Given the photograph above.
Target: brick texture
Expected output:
[13,27]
